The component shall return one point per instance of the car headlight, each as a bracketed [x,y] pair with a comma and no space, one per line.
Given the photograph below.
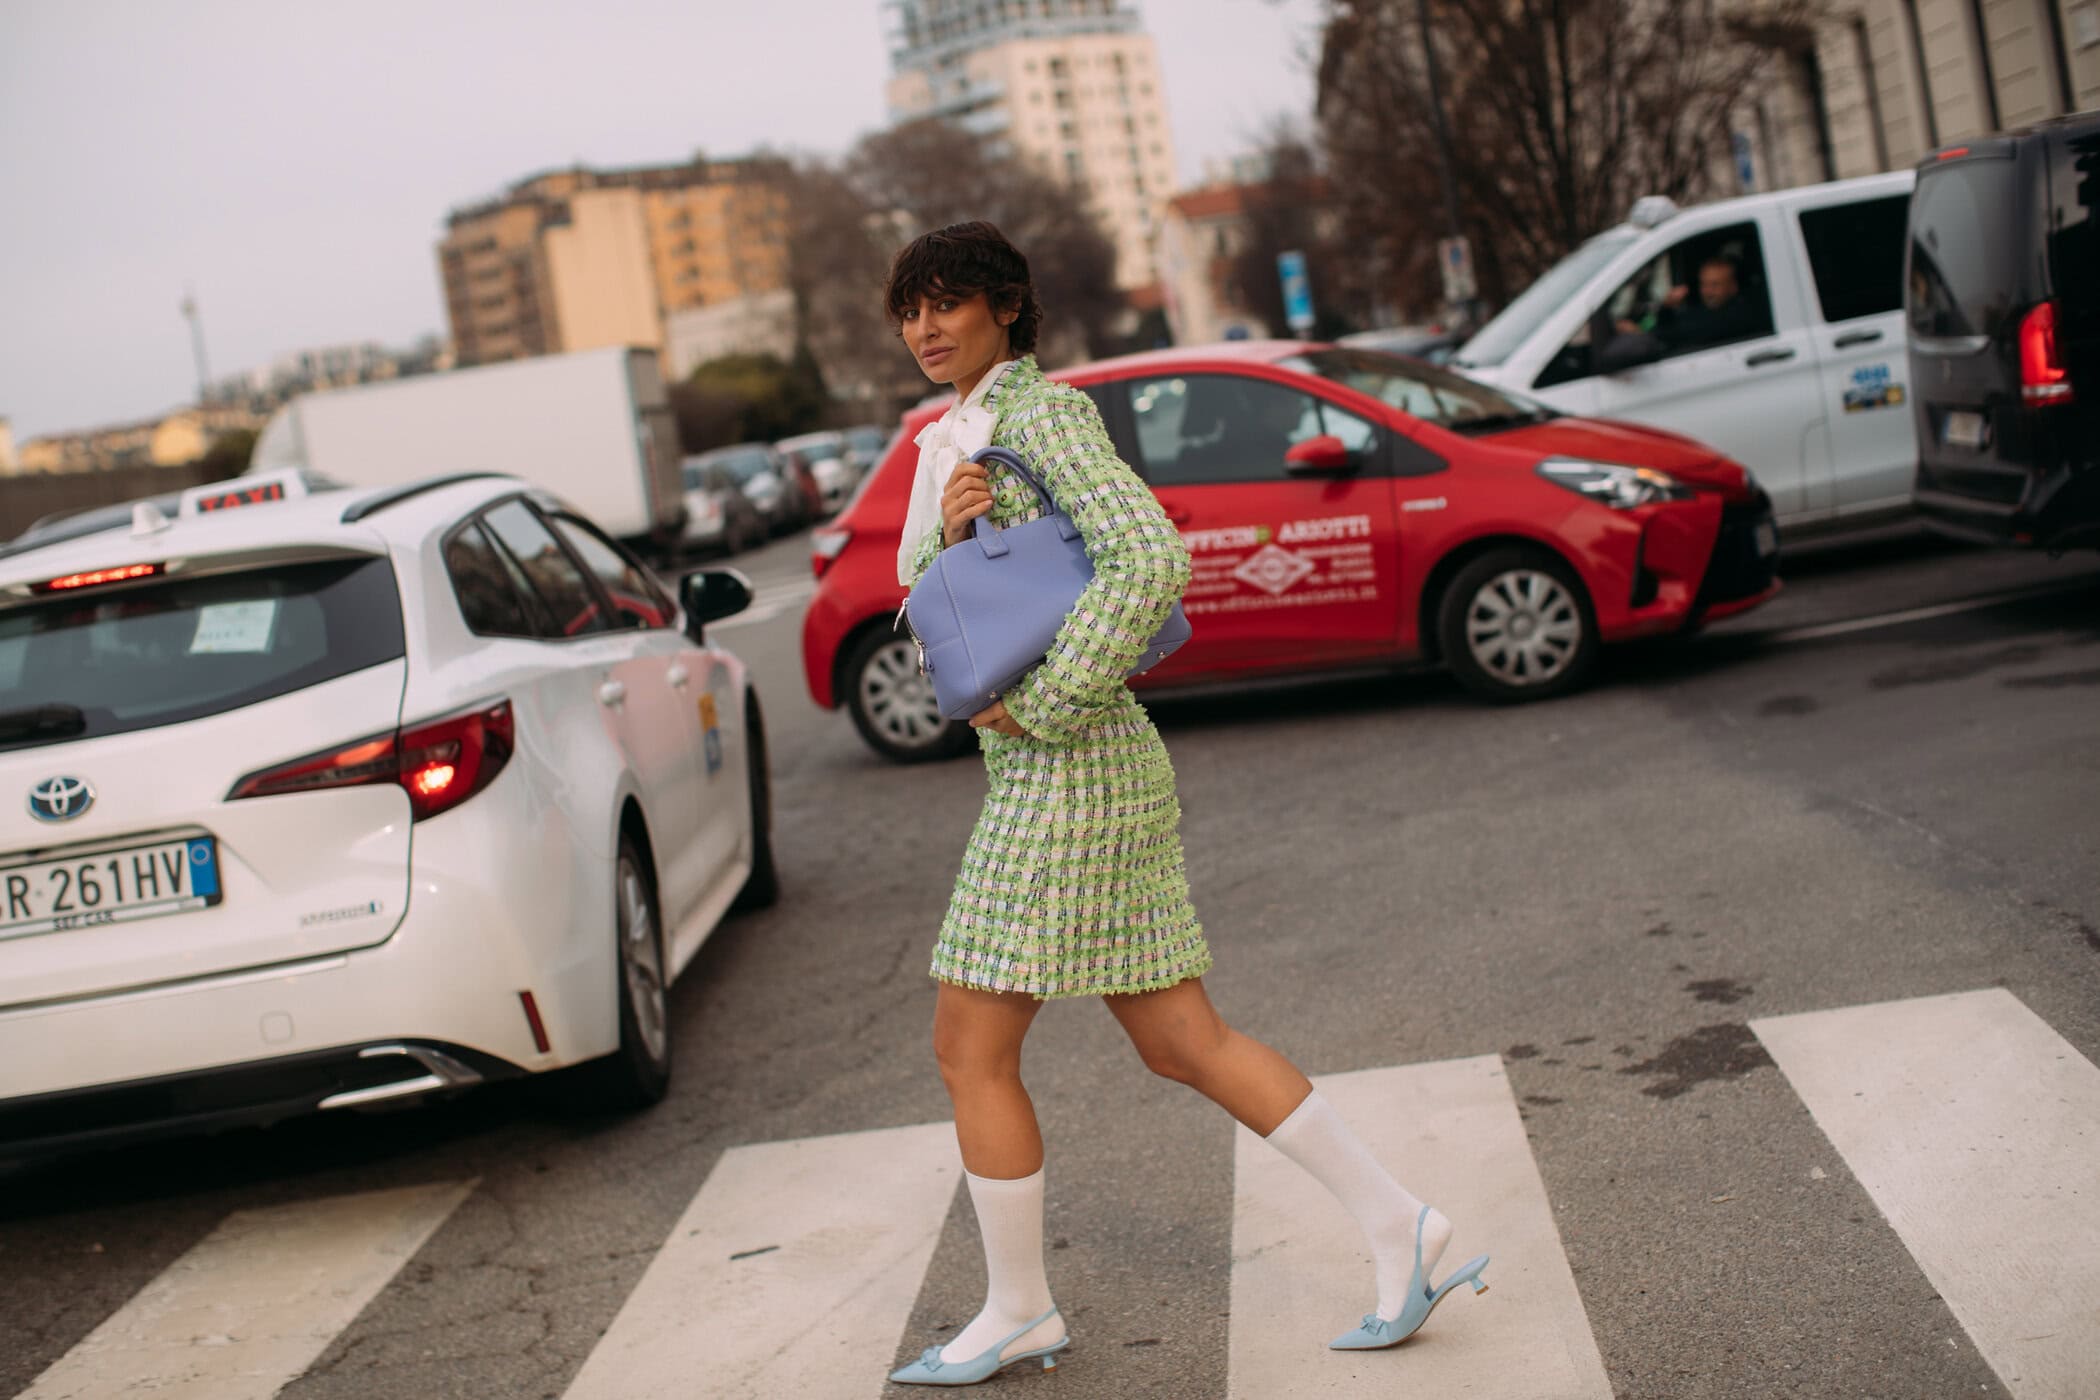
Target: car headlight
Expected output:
[1621,488]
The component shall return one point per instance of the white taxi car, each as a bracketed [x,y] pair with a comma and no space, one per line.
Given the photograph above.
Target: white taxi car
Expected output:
[315,798]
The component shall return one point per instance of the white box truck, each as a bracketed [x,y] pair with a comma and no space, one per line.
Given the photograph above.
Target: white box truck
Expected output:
[594,427]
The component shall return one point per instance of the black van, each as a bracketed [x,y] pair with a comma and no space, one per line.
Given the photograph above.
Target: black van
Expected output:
[2002,287]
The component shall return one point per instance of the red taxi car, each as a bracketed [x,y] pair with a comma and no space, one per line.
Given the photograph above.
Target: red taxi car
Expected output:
[1345,508]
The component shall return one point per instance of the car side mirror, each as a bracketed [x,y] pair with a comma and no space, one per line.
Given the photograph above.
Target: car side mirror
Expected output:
[1318,456]
[711,595]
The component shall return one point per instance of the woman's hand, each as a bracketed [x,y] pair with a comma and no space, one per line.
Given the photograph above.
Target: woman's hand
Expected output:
[998,721]
[968,495]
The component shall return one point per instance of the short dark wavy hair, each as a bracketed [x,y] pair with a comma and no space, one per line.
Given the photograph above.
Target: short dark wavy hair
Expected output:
[963,260]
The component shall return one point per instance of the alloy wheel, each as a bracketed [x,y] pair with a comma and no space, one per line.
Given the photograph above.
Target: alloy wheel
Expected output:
[897,700]
[1523,627]
[641,961]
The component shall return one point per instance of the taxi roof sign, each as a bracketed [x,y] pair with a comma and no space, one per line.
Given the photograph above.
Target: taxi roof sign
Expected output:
[260,489]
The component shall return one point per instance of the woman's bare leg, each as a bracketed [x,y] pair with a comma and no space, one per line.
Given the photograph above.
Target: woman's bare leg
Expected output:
[977,1039]
[1181,1036]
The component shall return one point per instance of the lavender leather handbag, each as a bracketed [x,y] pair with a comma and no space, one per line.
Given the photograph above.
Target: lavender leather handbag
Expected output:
[988,609]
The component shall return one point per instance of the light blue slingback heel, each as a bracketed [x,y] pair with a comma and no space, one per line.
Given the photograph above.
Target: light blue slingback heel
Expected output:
[929,1369]
[1376,1332]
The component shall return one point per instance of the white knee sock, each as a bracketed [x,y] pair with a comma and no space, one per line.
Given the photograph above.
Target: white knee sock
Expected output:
[1017,1292]
[1316,1138]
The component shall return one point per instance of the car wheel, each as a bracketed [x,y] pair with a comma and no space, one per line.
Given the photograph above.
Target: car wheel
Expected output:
[892,704]
[762,889]
[1515,624]
[639,1072]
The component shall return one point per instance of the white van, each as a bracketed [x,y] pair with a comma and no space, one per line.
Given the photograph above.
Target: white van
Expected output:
[1801,374]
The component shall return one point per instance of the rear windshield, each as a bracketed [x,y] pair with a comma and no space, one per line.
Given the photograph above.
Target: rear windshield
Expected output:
[1965,255]
[1422,390]
[135,658]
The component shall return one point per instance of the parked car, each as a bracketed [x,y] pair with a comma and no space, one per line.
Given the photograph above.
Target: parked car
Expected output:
[594,426]
[765,476]
[718,515]
[865,445]
[332,798]
[826,455]
[2004,306]
[1801,375]
[1343,509]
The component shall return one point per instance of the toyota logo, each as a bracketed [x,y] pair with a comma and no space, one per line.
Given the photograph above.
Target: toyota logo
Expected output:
[60,799]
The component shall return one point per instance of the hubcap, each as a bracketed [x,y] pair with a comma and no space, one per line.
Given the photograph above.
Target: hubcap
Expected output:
[641,960]
[1523,627]
[897,699]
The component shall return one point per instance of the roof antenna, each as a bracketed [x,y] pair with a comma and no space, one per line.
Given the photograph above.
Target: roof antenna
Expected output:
[146,519]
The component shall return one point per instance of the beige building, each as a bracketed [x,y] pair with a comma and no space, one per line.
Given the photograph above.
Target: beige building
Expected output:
[579,259]
[175,440]
[1889,81]
[1071,85]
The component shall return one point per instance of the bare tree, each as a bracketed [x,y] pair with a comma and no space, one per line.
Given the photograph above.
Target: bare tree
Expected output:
[1562,112]
[931,174]
[1296,208]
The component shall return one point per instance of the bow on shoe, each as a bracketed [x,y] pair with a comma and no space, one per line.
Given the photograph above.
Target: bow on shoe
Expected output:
[931,1359]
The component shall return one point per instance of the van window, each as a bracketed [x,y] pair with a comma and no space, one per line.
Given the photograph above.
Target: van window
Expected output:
[1706,290]
[1856,254]
[1965,259]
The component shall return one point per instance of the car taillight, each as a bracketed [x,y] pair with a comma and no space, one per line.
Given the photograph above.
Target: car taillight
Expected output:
[2043,379]
[825,546]
[439,764]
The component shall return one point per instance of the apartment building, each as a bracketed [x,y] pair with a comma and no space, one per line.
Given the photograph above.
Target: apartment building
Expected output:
[1071,85]
[1886,82]
[578,259]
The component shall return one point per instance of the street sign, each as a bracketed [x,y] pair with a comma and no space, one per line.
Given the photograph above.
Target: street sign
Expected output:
[1745,164]
[1455,257]
[1297,291]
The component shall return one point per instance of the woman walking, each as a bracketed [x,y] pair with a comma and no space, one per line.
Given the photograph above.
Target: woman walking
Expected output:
[1072,883]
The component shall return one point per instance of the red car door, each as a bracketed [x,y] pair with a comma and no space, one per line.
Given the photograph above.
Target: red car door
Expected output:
[1290,570]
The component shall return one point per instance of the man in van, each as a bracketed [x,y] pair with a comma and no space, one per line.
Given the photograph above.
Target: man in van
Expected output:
[1721,314]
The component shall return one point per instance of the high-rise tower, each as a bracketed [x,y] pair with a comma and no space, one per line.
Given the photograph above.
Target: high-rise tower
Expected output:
[1071,85]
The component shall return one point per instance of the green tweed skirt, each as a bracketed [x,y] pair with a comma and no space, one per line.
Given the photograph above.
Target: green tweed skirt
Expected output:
[1072,884]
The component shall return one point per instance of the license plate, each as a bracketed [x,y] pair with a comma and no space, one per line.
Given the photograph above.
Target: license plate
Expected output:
[110,886]
[1767,536]
[1963,430]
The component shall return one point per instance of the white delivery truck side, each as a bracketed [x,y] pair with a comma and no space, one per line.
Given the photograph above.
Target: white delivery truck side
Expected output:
[1800,374]
[594,427]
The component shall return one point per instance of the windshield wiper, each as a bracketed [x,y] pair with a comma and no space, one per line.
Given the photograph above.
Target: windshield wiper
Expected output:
[42,722]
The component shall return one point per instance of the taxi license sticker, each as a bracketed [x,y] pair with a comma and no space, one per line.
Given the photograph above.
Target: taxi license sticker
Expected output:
[1872,387]
[712,725]
[228,628]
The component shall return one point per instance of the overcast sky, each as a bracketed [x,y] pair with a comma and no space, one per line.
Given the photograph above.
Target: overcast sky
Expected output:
[295,161]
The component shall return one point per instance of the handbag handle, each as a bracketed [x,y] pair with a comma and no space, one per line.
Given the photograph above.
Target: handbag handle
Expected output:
[986,533]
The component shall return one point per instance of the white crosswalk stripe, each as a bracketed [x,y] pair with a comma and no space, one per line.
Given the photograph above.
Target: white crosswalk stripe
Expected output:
[1300,1273]
[252,1305]
[793,1272]
[797,1265]
[1976,1129]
